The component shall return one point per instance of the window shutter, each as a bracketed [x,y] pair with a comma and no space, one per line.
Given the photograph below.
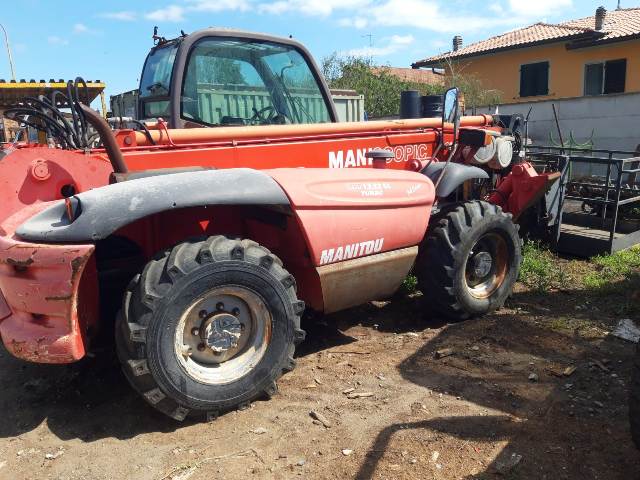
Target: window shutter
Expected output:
[524,81]
[593,79]
[615,76]
[543,79]
[534,79]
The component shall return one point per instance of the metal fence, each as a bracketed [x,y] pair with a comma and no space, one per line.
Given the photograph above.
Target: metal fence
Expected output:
[603,195]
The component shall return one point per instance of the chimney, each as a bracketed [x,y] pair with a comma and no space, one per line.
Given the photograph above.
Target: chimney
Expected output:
[457,43]
[601,12]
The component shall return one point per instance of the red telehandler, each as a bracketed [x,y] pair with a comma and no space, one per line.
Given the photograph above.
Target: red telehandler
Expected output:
[198,242]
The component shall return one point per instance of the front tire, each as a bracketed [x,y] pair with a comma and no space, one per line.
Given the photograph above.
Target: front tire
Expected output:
[209,326]
[469,260]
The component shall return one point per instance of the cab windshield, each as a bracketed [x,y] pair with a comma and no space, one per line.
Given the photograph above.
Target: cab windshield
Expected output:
[156,81]
[234,81]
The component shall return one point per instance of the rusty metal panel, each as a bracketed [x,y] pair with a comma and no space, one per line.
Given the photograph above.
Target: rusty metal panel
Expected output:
[5,311]
[353,282]
[41,285]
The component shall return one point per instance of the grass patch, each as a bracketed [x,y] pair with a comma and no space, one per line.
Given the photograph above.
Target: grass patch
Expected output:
[615,280]
[409,285]
[611,268]
[540,269]
[587,327]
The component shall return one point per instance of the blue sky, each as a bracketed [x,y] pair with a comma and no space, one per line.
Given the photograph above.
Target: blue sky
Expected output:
[109,40]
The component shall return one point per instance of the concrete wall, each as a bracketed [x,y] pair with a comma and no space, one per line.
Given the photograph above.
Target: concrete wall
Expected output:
[614,120]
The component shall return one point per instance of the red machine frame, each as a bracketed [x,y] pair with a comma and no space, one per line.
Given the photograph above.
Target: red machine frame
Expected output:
[50,308]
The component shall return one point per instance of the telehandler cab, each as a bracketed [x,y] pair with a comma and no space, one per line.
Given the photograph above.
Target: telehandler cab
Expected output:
[207,235]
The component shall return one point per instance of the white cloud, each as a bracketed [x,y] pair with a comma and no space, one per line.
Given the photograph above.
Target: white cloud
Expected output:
[55,40]
[538,8]
[172,13]
[123,16]
[402,39]
[426,14]
[434,15]
[80,28]
[439,44]
[406,12]
[218,5]
[422,14]
[275,8]
[496,8]
[358,22]
[392,44]
[312,7]
[177,13]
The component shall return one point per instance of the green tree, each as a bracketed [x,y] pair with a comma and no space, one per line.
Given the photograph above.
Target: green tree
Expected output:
[220,70]
[381,89]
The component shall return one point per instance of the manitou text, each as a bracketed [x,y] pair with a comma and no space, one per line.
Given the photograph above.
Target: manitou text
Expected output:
[353,250]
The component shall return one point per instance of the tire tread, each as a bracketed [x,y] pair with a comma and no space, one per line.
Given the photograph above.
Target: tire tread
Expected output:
[441,252]
[158,276]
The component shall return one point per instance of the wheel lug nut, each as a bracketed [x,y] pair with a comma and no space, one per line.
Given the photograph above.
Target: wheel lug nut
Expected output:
[201,347]
[195,331]
[236,311]
[203,313]
[220,306]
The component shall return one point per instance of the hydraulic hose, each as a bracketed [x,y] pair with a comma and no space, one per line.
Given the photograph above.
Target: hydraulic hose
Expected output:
[71,130]
[108,139]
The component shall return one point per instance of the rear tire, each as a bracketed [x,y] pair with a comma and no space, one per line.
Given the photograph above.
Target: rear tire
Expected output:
[469,260]
[209,326]
[634,400]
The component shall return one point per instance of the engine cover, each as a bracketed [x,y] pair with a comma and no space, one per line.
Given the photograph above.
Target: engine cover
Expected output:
[503,155]
[496,155]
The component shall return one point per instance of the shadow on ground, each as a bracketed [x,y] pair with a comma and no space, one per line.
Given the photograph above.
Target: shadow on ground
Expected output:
[574,432]
[88,400]
[400,315]
[557,427]
[91,399]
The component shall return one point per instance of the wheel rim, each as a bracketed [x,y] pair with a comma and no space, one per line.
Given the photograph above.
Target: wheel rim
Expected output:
[223,335]
[487,265]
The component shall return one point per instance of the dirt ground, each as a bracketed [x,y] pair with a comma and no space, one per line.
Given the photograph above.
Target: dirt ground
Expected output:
[478,413]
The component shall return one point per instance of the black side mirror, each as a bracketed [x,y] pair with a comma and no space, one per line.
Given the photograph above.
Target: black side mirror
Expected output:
[449,115]
[450,110]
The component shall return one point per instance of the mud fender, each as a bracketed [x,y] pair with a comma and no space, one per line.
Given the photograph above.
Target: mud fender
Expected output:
[102,211]
[454,176]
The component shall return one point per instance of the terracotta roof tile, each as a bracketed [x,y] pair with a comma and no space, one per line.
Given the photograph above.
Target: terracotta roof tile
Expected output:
[618,24]
[411,75]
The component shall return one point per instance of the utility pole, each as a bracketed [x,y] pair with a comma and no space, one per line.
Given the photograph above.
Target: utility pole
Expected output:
[370,36]
[6,41]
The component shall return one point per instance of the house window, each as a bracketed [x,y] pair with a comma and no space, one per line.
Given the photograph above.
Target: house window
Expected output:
[534,79]
[605,77]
